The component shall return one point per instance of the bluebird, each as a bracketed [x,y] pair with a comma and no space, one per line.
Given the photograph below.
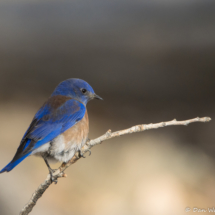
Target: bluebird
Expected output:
[60,128]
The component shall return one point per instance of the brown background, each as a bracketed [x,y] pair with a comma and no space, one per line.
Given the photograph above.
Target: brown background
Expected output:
[151,61]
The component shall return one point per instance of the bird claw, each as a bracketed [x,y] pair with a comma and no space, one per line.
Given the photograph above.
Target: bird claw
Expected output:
[89,152]
[51,171]
[52,177]
[53,180]
[80,154]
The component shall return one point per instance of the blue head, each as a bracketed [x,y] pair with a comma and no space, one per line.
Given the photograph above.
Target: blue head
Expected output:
[77,89]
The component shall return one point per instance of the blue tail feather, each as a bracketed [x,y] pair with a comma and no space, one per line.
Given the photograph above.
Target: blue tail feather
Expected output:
[11,165]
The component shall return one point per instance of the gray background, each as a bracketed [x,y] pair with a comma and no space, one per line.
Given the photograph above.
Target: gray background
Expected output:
[151,61]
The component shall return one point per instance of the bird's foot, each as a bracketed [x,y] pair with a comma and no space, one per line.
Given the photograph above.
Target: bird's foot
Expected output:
[89,152]
[80,154]
[51,172]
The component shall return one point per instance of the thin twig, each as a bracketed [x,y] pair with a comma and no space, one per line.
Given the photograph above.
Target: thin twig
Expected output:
[108,135]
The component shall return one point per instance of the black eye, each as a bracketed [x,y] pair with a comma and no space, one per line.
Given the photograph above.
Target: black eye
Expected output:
[83,90]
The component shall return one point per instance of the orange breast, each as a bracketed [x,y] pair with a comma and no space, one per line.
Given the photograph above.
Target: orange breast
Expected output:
[77,134]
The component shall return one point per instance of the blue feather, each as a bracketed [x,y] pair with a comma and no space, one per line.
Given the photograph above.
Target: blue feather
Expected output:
[42,131]
[11,165]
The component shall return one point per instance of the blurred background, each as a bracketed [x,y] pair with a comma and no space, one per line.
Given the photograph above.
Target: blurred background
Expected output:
[151,61]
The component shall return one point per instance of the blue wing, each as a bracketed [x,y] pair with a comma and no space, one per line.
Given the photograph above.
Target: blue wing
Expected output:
[57,115]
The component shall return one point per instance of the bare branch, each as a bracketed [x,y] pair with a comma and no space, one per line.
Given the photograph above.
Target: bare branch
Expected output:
[108,135]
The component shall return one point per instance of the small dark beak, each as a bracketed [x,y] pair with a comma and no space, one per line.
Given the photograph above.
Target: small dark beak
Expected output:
[97,97]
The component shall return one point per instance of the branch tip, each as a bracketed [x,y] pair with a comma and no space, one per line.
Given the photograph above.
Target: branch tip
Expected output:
[207,119]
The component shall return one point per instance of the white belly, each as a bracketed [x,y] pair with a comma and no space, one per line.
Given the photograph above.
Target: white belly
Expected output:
[58,150]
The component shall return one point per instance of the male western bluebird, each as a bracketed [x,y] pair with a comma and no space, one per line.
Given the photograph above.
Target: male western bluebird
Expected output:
[61,126]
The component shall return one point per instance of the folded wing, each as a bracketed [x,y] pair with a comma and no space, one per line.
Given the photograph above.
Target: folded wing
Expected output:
[57,115]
